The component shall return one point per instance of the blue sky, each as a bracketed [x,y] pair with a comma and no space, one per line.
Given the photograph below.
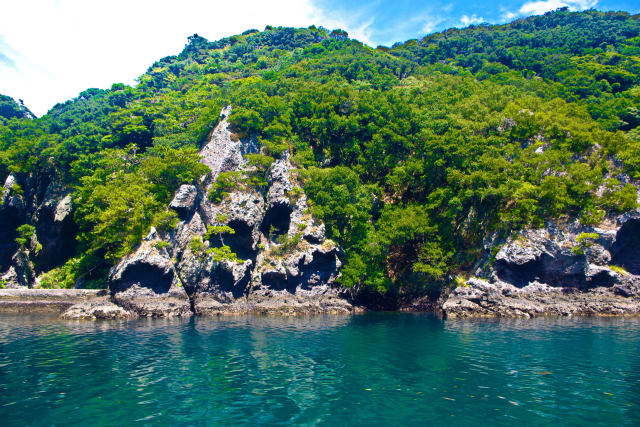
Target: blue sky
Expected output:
[51,50]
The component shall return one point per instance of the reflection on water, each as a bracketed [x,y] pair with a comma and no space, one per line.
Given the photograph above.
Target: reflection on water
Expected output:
[328,370]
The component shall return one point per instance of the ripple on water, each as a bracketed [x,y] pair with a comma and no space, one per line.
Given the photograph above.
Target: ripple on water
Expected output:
[328,370]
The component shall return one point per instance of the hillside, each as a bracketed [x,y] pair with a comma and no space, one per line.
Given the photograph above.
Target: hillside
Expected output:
[411,156]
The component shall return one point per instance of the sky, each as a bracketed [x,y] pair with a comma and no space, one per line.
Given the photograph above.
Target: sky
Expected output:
[51,50]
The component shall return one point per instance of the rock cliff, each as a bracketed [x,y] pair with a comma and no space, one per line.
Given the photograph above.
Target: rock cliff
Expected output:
[48,208]
[561,269]
[284,262]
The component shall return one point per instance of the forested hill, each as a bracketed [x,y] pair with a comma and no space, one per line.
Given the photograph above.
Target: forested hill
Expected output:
[411,155]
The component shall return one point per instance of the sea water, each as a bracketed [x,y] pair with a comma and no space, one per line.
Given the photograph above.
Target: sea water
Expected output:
[364,370]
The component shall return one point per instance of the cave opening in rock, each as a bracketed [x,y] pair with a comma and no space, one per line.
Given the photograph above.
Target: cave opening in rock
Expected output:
[276,280]
[520,274]
[319,271]
[145,275]
[625,251]
[564,271]
[57,240]
[277,220]
[241,242]
[226,282]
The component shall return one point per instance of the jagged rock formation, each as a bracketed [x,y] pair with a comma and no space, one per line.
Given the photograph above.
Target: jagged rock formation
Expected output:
[560,269]
[285,264]
[48,207]
[146,283]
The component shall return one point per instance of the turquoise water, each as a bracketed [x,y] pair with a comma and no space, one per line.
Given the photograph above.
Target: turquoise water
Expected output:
[375,369]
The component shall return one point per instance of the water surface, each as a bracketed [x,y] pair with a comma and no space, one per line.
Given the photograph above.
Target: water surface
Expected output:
[374,369]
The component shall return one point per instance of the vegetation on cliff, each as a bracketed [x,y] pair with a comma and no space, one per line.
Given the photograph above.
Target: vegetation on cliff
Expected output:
[411,155]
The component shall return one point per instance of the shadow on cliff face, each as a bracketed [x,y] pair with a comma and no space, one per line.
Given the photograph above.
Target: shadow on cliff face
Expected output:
[318,271]
[147,276]
[278,281]
[241,241]
[277,217]
[10,219]
[225,280]
[57,239]
[561,271]
[625,252]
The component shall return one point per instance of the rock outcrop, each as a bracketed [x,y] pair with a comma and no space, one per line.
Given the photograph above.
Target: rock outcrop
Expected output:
[48,207]
[562,269]
[284,262]
[52,301]
[480,298]
[146,283]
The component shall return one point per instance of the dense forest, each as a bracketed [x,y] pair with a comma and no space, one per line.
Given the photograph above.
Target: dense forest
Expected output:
[411,155]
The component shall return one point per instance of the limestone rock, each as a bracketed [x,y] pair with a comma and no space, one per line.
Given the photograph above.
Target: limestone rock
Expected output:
[12,215]
[97,310]
[549,254]
[55,229]
[12,280]
[280,182]
[223,152]
[145,283]
[478,298]
[184,201]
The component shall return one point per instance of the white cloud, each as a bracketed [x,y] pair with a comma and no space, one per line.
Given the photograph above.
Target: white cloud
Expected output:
[471,20]
[51,50]
[359,29]
[430,24]
[542,6]
[508,16]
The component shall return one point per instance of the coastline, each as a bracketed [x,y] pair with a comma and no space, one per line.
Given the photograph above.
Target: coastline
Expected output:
[494,302]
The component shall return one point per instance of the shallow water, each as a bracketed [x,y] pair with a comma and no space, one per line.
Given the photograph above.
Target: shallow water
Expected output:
[374,369]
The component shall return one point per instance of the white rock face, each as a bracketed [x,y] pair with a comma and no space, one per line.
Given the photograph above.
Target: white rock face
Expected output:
[561,270]
[289,272]
[223,152]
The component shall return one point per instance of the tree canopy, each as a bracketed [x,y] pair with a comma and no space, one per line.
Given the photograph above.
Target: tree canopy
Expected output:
[411,155]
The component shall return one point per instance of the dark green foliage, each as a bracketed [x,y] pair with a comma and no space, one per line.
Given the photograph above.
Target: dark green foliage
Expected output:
[410,155]
[10,109]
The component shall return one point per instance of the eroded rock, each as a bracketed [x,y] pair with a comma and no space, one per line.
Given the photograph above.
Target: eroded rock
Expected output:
[146,283]
[285,264]
[102,309]
[479,298]
[561,270]
[184,201]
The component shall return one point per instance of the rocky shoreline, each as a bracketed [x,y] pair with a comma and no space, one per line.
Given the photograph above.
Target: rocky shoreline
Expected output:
[477,299]
[286,265]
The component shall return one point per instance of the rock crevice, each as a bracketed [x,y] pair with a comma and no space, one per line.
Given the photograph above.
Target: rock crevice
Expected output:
[284,262]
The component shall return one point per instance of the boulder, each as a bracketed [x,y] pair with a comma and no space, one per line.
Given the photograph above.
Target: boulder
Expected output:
[184,201]
[97,310]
